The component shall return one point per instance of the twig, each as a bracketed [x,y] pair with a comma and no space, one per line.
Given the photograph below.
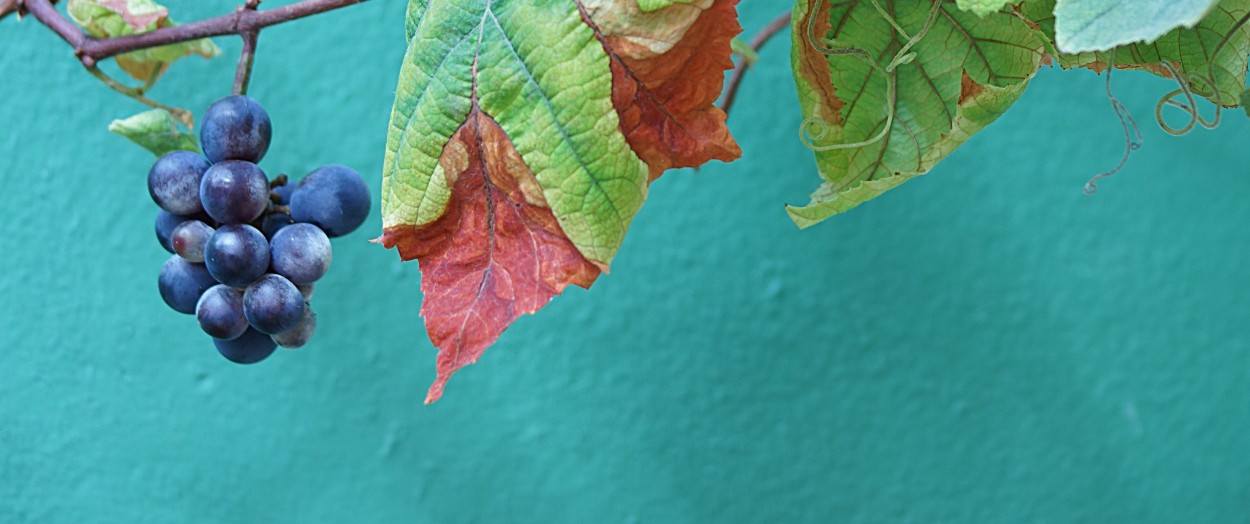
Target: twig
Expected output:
[243,72]
[757,42]
[91,50]
[182,115]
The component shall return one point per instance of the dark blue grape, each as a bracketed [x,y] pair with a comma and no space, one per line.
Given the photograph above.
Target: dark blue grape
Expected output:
[174,182]
[333,198]
[235,128]
[301,253]
[273,304]
[237,255]
[274,222]
[220,312]
[300,333]
[189,240]
[181,283]
[166,222]
[234,192]
[249,348]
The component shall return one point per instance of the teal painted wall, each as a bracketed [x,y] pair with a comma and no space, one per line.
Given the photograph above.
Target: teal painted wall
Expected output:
[985,344]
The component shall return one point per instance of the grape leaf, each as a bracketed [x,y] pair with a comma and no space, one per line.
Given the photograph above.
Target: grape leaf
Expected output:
[656,5]
[498,236]
[109,18]
[965,72]
[1191,50]
[157,131]
[1099,25]
[667,70]
[982,7]
[522,141]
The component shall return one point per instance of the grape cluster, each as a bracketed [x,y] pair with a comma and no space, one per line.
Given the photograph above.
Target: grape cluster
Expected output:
[247,250]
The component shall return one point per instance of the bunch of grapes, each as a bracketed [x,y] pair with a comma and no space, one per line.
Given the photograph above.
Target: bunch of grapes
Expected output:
[247,250]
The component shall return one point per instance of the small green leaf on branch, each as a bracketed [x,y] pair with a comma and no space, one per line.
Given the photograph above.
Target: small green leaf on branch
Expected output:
[111,18]
[156,131]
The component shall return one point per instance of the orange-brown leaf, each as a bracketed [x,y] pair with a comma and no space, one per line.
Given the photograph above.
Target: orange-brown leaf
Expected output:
[496,254]
[665,97]
[812,66]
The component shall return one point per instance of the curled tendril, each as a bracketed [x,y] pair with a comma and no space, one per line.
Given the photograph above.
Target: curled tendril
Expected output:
[1132,134]
[1190,106]
[814,129]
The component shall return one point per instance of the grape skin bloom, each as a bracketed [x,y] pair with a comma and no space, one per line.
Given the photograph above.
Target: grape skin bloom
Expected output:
[235,128]
[235,192]
[301,253]
[273,304]
[174,182]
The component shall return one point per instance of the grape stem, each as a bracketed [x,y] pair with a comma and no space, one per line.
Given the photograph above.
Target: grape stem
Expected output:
[243,73]
[242,21]
[182,115]
[757,42]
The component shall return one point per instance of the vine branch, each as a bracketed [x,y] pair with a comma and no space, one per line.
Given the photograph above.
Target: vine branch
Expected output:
[243,73]
[242,21]
[757,42]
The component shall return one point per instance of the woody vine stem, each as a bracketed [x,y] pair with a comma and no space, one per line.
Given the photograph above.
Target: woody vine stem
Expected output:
[246,21]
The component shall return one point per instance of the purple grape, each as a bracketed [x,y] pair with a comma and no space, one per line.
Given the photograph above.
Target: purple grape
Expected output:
[189,240]
[235,128]
[333,198]
[301,253]
[174,182]
[300,333]
[237,255]
[273,304]
[234,192]
[181,283]
[220,312]
[274,222]
[166,222]
[249,348]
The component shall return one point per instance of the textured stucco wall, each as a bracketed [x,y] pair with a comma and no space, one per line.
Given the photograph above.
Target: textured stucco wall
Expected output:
[985,344]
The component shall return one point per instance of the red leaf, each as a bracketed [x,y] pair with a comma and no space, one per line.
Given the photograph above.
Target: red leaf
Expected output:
[667,101]
[496,254]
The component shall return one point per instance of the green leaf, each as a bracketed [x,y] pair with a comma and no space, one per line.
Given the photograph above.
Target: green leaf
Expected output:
[1191,50]
[1245,101]
[110,18]
[982,7]
[972,115]
[656,5]
[538,70]
[966,70]
[1099,25]
[156,131]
